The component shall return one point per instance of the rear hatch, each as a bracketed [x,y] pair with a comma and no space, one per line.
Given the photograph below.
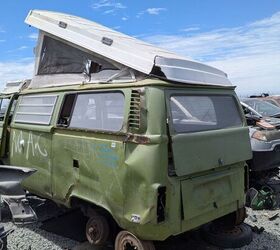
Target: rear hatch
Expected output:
[210,143]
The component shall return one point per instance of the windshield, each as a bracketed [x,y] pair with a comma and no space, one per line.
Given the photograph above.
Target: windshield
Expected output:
[262,107]
[200,113]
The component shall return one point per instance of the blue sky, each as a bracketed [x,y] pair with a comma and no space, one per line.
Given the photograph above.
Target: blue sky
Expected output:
[239,37]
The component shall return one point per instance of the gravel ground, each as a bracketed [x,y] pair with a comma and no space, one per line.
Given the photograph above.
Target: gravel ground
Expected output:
[32,237]
[270,237]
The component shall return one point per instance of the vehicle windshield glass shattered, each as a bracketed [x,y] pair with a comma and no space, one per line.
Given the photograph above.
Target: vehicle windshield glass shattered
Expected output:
[200,113]
[60,58]
[262,107]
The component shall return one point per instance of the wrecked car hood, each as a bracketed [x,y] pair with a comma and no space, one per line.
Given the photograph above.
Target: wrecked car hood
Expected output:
[273,121]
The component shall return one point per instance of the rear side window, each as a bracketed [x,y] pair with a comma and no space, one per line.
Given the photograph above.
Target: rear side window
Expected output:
[95,111]
[201,113]
[35,109]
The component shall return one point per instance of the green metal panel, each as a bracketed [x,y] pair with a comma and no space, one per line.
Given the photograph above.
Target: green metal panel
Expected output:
[201,151]
[89,166]
[32,148]
[207,193]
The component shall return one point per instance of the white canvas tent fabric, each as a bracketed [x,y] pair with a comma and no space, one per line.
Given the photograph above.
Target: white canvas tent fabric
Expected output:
[124,50]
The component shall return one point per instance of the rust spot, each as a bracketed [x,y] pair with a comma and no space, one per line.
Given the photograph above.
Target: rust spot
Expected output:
[138,139]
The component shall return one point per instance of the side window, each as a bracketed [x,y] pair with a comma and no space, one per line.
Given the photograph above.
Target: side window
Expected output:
[35,109]
[4,103]
[93,111]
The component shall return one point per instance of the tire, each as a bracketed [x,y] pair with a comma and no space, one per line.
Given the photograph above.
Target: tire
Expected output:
[126,240]
[97,230]
[232,219]
[238,236]
[3,244]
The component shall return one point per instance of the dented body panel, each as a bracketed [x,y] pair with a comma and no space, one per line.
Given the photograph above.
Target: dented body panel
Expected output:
[138,173]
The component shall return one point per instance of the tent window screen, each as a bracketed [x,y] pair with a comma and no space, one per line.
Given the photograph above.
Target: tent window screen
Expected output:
[35,109]
[98,111]
[60,58]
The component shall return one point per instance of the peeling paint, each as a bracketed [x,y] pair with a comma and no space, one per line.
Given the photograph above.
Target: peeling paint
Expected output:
[138,139]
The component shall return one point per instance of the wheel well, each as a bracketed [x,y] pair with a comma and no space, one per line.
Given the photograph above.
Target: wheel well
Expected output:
[90,209]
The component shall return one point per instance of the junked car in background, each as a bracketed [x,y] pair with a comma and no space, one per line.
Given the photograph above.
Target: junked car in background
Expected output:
[262,118]
[273,99]
[262,107]
[264,125]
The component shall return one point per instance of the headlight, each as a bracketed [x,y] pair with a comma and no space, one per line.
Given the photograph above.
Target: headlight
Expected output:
[259,135]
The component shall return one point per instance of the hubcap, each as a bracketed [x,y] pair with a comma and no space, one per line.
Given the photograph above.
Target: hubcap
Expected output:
[97,230]
[130,246]
[127,241]
[93,232]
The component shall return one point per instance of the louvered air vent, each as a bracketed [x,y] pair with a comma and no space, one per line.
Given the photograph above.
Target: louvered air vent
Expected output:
[134,113]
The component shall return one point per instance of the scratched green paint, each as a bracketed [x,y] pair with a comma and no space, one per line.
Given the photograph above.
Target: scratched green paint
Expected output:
[122,176]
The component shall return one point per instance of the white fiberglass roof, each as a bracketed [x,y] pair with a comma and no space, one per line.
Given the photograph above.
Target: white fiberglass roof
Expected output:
[15,86]
[124,49]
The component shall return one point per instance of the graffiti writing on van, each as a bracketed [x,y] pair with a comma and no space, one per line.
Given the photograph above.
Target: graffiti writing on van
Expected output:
[30,145]
[103,153]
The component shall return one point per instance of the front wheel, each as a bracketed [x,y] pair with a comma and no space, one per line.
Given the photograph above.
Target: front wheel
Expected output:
[127,241]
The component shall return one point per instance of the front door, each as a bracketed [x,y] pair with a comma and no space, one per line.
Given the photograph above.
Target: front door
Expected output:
[31,140]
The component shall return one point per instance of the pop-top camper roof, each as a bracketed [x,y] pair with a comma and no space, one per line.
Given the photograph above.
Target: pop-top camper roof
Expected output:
[116,48]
